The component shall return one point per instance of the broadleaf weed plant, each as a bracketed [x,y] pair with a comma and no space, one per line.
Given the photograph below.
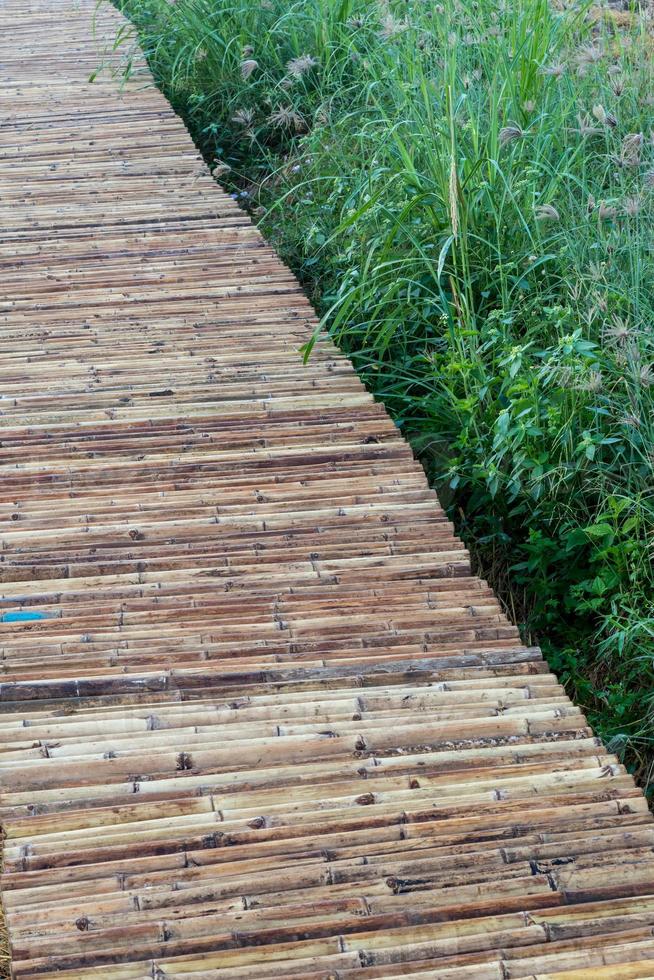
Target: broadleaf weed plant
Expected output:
[466,190]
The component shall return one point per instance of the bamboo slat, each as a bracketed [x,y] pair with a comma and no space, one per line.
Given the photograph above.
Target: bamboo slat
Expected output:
[266,723]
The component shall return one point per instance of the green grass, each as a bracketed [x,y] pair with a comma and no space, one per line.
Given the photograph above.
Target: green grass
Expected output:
[466,192]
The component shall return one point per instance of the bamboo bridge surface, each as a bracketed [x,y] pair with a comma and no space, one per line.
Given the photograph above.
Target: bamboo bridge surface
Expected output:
[268,724]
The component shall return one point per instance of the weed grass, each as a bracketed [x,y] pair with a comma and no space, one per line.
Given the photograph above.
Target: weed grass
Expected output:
[466,191]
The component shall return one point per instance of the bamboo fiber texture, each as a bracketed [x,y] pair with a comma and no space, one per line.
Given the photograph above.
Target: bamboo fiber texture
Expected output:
[266,723]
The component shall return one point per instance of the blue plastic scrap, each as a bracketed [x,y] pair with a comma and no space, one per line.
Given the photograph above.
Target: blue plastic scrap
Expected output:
[22,616]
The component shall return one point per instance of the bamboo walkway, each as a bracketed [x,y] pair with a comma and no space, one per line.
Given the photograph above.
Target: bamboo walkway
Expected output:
[266,723]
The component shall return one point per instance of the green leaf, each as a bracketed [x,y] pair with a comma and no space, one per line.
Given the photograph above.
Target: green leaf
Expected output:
[598,530]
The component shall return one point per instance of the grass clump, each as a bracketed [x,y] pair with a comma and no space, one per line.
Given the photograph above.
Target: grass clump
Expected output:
[466,189]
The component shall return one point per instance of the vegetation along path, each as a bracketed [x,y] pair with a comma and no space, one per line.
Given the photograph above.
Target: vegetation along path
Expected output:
[258,718]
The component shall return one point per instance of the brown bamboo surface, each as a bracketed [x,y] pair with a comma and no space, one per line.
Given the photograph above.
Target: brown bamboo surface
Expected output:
[272,726]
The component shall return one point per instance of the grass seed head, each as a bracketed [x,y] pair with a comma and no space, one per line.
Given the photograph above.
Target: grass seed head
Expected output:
[243,117]
[604,117]
[248,67]
[586,128]
[594,382]
[631,149]
[297,67]
[391,27]
[546,212]
[556,70]
[285,117]
[510,133]
[619,332]
[631,206]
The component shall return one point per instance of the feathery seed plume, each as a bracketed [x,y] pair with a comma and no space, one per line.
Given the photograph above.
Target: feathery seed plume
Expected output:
[297,67]
[248,67]
[546,212]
